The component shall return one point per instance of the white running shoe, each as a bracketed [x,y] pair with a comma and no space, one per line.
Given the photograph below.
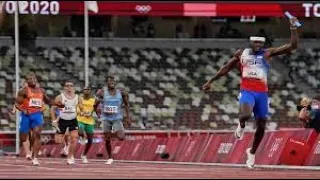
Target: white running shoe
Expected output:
[109,162]
[84,159]
[70,161]
[35,162]
[239,132]
[82,140]
[250,159]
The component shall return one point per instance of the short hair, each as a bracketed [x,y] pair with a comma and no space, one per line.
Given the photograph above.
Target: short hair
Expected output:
[305,101]
[87,87]
[110,77]
[66,81]
[31,74]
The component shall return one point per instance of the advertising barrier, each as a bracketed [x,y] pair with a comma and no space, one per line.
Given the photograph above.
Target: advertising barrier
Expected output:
[274,143]
[313,158]
[285,147]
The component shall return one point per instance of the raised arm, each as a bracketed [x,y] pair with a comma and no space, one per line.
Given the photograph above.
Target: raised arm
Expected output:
[292,45]
[225,69]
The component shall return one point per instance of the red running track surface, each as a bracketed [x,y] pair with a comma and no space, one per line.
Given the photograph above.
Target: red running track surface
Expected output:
[12,167]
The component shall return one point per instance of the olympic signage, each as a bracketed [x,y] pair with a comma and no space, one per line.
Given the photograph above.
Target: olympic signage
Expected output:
[221,9]
[311,9]
[143,8]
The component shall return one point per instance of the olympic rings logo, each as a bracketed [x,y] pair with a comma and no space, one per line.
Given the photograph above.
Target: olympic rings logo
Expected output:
[143,8]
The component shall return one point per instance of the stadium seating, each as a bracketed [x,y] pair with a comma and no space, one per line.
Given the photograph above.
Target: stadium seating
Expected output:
[306,64]
[163,84]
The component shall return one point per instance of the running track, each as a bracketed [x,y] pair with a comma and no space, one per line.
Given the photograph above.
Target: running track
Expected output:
[12,167]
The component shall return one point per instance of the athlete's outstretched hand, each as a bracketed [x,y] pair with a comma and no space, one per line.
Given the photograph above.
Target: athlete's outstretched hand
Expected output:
[206,86]
[293,21]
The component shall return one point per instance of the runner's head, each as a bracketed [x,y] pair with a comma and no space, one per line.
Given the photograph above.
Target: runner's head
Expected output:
[303,108]
[86,91]
[68,86]
[257,43]
[31,80]
[304,103]
[111,83]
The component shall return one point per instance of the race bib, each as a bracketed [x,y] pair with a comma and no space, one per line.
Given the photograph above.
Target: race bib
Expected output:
[253,73]
[35,103]
[111,109]
[69,109]
[87,113]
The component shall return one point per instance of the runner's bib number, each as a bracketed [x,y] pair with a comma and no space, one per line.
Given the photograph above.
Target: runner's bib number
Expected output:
[69,109]
[35,103]
[87,113]
[253,73]
[111,109]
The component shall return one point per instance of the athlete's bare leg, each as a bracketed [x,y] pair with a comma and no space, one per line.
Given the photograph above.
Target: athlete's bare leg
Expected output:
[245,115]
[89,144]
[108,136]
[26,146]
[36,138]
[258,136]
[73,143]
[24,141]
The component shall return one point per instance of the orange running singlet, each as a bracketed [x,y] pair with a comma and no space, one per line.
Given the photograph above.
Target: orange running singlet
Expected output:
[34,100]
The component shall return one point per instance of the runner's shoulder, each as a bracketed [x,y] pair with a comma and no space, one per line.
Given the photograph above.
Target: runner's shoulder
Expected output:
[22,91]
[238,52]
[123,91]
